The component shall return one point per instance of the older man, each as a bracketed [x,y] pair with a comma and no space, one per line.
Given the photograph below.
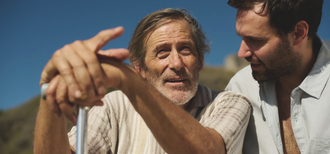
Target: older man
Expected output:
[288,79]
[159,107]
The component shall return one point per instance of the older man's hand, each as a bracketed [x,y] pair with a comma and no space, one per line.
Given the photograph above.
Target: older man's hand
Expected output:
[82,78]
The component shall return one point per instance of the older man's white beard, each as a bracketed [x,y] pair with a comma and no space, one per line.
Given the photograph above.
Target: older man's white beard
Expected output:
[181,96]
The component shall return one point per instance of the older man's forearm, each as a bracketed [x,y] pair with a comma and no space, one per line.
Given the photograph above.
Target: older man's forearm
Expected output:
[50,132]
[174,129]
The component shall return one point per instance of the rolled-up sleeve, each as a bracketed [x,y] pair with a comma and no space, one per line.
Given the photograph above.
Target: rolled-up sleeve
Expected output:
[228,114]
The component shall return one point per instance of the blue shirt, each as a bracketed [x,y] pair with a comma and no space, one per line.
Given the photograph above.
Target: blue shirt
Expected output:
[310,110]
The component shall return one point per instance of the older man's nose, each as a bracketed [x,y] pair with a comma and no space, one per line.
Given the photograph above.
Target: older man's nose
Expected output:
[175,61]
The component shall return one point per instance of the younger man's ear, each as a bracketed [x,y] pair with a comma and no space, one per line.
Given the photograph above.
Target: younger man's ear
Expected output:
[300,32]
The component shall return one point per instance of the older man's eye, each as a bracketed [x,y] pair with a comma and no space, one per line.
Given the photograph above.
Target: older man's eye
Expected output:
[163,53]
[185,51]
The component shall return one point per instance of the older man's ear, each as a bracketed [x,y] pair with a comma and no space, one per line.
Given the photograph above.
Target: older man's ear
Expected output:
[139,69]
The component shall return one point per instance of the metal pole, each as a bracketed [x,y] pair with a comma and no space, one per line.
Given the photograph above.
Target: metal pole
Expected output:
[81,147]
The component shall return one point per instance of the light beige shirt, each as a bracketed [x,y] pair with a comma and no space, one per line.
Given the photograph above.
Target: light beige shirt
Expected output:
[117,128]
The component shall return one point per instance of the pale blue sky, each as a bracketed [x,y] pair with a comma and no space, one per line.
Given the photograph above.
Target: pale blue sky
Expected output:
[30,31]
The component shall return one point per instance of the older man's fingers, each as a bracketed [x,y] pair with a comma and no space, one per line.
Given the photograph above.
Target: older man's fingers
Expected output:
[48,73]
[61,92]
[95,44]
[86,76]
[88,71]
[79,66]
[75,54]
[51,95]
[65,69]
[102,38]
[65,106]
[87,102]
[119,54]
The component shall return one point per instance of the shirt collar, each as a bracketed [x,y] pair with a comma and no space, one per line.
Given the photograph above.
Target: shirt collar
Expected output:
[318,77]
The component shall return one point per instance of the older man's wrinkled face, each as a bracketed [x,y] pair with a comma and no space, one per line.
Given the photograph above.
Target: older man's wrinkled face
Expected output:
[172,62]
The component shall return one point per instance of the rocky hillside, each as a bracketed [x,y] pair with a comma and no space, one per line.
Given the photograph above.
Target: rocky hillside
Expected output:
[16,128]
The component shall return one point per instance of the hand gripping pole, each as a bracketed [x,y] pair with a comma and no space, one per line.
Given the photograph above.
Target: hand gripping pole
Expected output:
[81,146]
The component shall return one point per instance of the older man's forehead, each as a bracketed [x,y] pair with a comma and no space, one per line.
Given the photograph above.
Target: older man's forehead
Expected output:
[178,32]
